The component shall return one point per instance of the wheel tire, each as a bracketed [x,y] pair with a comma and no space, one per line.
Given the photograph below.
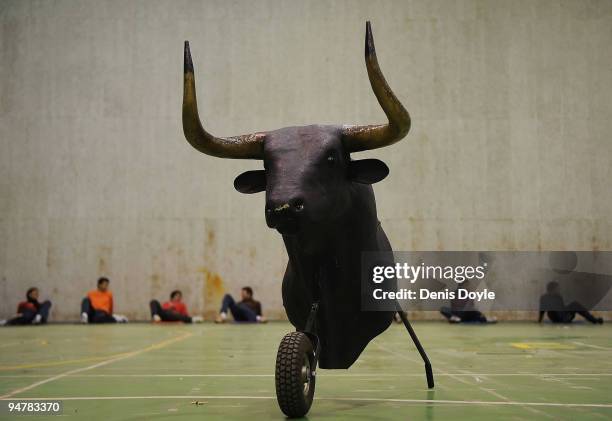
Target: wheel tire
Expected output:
[295,376]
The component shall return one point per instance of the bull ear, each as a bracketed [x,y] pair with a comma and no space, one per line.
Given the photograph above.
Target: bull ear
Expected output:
[251,182]
[367,171]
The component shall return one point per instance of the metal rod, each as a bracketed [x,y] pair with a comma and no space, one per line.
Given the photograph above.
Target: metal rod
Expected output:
[417,343]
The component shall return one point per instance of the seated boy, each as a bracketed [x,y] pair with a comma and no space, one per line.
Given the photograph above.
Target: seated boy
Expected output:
[247,310]
[30,311]
[172,311]
[97,307]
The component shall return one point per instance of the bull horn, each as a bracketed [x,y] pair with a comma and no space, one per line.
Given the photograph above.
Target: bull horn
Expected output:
[361,138]
[248,146]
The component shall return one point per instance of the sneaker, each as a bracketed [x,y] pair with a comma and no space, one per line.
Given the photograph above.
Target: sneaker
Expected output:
[454,319]
[37,319]
[3,322]
[84,318]
[492,319]
[197,319]
[599,321]
[156,318]
[120,318]
[221,318]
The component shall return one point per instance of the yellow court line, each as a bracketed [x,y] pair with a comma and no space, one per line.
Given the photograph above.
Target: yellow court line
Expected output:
[56,363]
[123,356]
[74,361]
[541,345]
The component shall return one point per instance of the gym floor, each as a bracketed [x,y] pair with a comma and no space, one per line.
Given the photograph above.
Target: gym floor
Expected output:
[180,372]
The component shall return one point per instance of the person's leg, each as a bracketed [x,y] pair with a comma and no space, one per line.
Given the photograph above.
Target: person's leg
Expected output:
[86,311]
[25,319]
[243,313]
[580,309]
[556,316]
[226,303]
[172,316]
[473,316]
[101,317]
[43,311]
[446,312]
[155,307]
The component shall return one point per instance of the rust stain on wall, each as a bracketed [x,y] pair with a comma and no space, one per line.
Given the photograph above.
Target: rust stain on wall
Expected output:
[212,292]
[155,284]
[210,237]
[104,254]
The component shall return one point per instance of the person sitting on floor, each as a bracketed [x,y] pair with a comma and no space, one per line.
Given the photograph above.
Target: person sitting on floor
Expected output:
[464,311]
[247,310]
[97,307]
[172,311]
[552,304]
[30,312]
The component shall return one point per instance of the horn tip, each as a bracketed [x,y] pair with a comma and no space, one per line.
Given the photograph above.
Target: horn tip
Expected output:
[369,41]
[188,61]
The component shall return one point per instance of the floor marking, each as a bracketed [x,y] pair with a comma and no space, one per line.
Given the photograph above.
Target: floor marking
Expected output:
[426,401]
[587,376]
[593,346]
[541,345]
[123,356]
[460,380]
[7,344]
[57,363]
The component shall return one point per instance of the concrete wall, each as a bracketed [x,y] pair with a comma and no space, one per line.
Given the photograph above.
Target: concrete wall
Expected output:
[510,146]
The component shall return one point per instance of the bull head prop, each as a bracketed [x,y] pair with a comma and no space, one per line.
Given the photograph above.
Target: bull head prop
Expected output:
[302,155]
[323,204]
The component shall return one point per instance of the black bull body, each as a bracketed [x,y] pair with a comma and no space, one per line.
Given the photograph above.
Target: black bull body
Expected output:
[323,204]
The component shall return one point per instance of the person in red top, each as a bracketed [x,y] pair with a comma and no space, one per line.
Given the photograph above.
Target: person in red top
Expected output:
[172,311]
[30,311]
[97,307]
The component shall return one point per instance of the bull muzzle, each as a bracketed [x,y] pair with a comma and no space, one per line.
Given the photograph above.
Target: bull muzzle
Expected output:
[285,216]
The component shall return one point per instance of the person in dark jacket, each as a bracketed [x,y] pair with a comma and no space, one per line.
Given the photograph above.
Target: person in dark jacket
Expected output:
[246,310]
[30,311]
[553,305]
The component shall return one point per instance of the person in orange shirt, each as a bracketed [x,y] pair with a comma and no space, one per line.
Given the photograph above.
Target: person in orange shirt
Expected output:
[172,311]
[97,306]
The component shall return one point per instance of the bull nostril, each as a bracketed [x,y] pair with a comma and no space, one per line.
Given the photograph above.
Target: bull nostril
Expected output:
[298,204]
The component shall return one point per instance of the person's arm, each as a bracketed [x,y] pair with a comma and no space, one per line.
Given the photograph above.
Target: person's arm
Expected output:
[258,312]
[541,316]
[183,310]
[111,303]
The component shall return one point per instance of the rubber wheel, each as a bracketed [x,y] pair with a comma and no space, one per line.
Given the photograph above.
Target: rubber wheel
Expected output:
[295,374]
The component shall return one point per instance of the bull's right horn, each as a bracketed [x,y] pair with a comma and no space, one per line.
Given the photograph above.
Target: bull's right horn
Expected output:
[248,146]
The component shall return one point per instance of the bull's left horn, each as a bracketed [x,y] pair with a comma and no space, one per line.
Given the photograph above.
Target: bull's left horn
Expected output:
[248,146]
[361,138]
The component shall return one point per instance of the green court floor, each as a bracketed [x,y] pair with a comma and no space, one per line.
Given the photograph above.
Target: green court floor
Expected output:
[226,372]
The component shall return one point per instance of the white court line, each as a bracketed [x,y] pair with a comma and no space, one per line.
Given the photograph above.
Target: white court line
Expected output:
[426,401]
[463,381]
[323,374]
[100,364]
[592,346]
